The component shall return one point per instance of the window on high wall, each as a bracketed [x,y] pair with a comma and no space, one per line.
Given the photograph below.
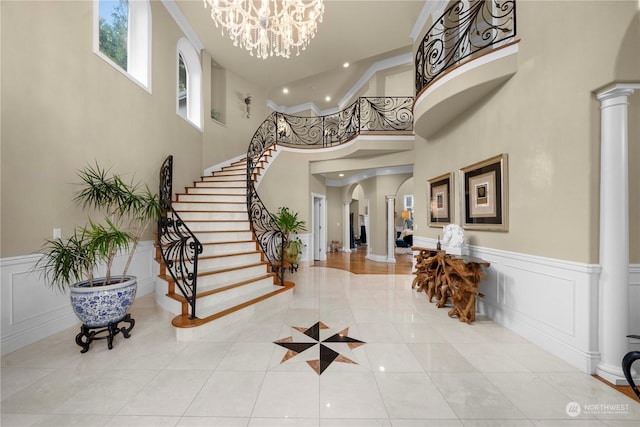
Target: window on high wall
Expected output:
[189,83]
[182,87]
[122,37]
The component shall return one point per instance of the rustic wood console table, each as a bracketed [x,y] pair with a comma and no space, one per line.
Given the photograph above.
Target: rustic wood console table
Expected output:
[448,277]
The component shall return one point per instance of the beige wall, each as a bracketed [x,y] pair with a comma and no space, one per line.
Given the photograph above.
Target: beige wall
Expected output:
[287,183]
[64,107]
[231,139]
[334,215]
[547,119]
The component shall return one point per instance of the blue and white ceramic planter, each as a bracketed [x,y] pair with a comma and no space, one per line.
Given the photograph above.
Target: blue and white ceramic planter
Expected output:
[98,306]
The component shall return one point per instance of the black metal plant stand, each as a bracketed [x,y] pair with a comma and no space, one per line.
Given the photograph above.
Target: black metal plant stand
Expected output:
[88,334]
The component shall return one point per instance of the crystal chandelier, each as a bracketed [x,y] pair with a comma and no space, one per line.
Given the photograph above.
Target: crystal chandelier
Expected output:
[268,27]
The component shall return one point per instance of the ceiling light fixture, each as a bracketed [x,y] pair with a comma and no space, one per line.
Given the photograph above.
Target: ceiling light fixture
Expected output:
[268,27]
[345,65]
[285,90]
[327,98]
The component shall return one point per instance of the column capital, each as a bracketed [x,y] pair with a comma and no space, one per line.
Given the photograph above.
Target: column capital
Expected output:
[616,90]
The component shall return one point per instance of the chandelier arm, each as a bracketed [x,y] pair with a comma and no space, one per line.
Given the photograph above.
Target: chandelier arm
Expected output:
[275,28]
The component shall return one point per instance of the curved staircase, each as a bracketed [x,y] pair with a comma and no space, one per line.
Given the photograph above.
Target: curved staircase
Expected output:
[232,274]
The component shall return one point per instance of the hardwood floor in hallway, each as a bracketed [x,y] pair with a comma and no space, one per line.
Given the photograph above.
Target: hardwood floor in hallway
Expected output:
[357,263]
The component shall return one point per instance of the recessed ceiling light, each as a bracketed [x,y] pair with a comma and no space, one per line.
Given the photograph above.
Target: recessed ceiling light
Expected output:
[340,175]
[327,98]
[345,65]
[285,90]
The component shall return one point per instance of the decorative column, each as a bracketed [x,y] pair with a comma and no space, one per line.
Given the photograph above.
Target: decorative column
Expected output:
[614,232]
[346,236]
[391,229]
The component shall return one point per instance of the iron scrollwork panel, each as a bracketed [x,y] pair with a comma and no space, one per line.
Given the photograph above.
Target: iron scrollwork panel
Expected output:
[300,131]
[180,250]
[386,113]
[463,29]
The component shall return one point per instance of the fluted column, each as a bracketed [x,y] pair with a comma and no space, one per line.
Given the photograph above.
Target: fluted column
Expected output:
[614,232]
[391,229]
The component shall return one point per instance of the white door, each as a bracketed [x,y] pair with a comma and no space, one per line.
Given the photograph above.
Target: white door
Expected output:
[319,228]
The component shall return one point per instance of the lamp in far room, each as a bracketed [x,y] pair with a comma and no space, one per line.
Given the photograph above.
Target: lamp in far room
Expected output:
[405,217]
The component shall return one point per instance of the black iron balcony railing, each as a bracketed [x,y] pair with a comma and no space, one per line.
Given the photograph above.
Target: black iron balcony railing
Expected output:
[465,28]
[366,115]
[178,245]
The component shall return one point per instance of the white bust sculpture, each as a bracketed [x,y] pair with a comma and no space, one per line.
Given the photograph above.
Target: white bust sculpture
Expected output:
[453,238]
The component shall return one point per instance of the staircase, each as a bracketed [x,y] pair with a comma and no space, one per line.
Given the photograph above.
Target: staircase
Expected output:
[233,276]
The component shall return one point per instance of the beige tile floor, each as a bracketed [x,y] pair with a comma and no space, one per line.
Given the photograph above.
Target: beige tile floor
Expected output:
[417,367]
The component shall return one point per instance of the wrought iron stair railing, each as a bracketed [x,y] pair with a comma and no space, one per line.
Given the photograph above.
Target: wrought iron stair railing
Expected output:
[366,115]
[464,29]
[178,245]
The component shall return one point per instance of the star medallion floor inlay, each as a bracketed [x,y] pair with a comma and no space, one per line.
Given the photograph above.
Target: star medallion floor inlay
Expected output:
[307,338]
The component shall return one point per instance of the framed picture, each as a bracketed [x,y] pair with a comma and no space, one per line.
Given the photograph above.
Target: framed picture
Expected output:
[485,194]
[440,206]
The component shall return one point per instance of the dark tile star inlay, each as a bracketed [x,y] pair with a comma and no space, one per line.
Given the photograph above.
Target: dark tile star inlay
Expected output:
[326,355]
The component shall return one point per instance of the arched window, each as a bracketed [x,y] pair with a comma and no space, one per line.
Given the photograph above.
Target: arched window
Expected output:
[122,37]
[189,83]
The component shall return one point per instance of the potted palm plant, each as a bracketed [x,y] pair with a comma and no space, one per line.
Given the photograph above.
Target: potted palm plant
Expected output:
[71,263]
[290,225]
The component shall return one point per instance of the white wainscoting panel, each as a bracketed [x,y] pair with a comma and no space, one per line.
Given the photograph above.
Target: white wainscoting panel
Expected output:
[30,310]
[551,302]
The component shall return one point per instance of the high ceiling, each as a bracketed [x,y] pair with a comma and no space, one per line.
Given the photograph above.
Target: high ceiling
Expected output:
[356,31]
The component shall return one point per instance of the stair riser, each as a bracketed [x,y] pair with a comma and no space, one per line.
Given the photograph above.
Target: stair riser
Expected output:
[221,184]
[193,206]
[225,178]
[213,216]
[214,303]
[209,282]
[236,191]
[228,248]
[232,169]
[197,226]
[223,236]
[218,263]
[233,172]
[220,198]
[220,325]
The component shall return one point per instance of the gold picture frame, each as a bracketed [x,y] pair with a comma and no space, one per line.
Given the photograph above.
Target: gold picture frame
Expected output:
[485,194]
[440,191]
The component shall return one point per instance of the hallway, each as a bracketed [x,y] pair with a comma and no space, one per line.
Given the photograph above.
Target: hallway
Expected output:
[348,350]
[356,262]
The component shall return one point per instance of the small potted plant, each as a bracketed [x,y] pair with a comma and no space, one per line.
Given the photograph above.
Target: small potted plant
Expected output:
[70,263]
[290,224]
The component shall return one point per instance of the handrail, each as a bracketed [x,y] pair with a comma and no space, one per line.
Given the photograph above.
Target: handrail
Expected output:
[365,115]
[462,30]
[178,245]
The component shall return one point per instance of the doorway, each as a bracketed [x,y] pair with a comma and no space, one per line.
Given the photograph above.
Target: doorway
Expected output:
[319,227]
